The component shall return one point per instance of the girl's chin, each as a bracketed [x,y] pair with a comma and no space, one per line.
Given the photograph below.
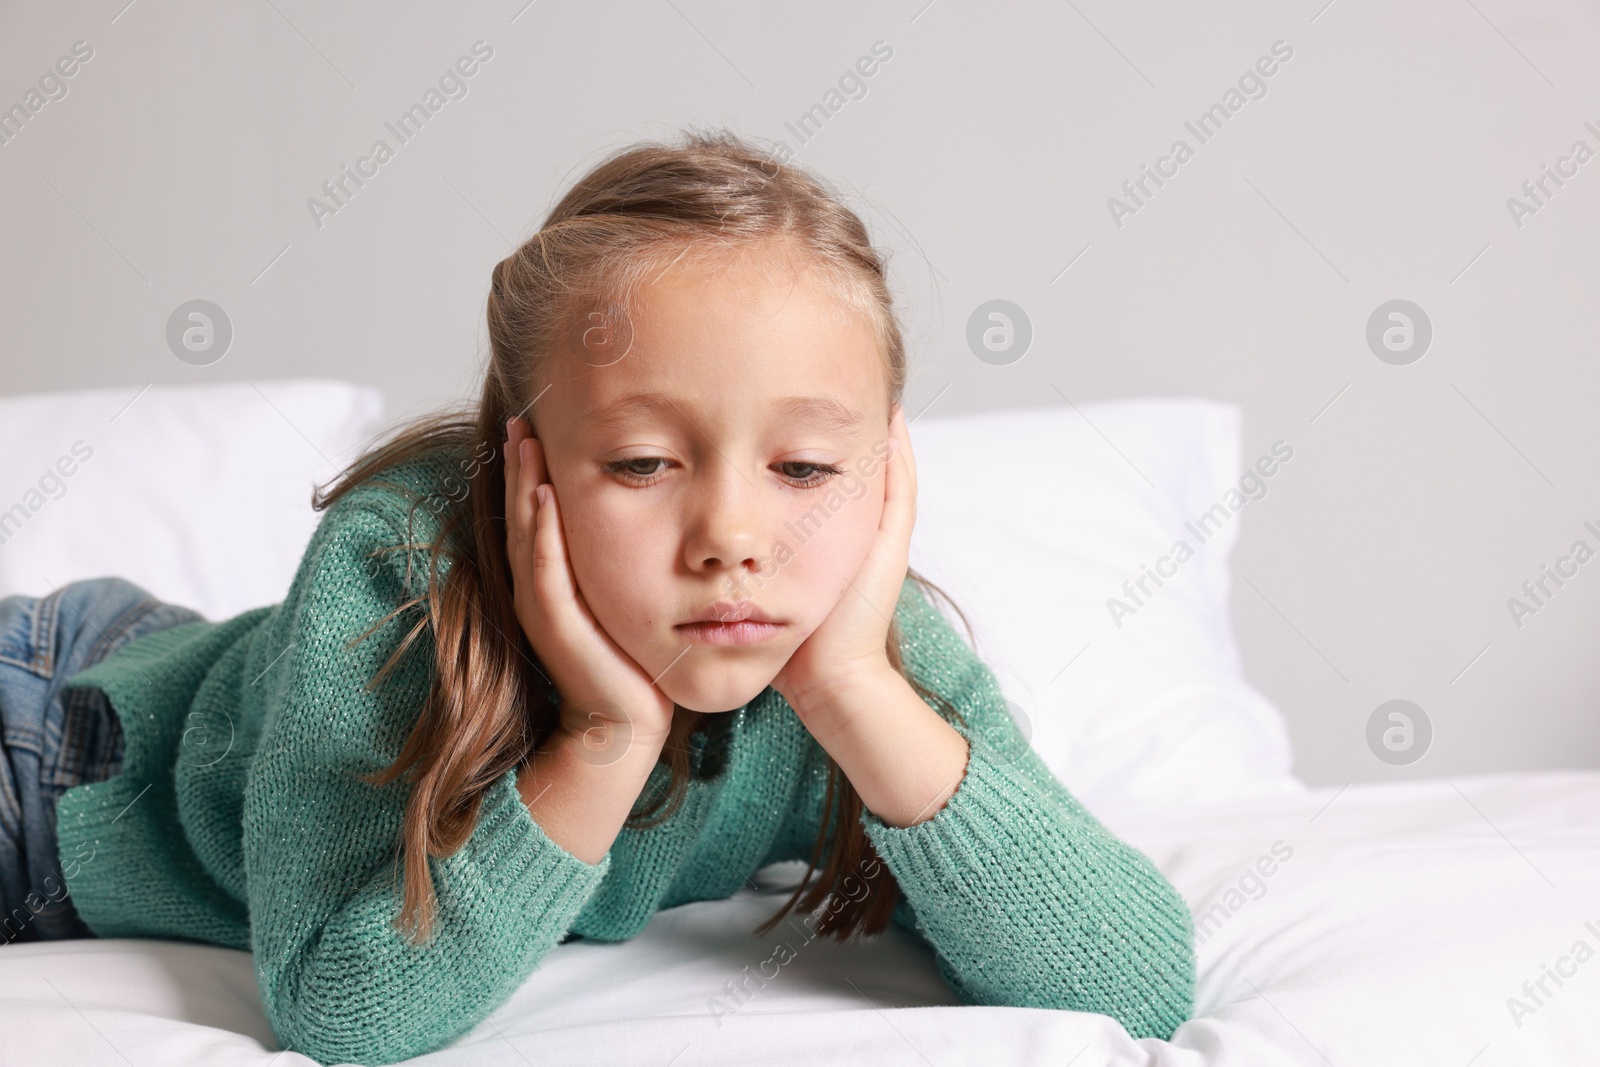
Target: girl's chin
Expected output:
[716,697]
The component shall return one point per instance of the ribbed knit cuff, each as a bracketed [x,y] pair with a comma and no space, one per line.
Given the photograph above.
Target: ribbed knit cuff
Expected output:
[1031,902]
[954,837]
[520,869]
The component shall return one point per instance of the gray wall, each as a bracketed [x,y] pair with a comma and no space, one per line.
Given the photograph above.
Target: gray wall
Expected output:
[1377,166]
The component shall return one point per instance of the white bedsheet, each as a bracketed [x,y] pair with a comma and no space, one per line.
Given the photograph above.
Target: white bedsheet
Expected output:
[1402,921]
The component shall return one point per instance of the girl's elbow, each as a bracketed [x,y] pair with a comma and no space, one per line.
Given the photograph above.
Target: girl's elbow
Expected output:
[1164,979]
[338,1022]
[338,1041]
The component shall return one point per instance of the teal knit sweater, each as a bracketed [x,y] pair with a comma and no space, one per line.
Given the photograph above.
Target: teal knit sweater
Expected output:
[237,820]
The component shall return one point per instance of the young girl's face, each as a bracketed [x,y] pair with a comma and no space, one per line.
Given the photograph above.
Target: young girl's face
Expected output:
[720,483]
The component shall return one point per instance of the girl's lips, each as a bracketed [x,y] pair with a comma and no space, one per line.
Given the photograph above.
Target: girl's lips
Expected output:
[744,632]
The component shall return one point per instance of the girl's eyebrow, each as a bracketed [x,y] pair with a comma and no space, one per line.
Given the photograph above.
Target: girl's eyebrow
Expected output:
[822,411]
[631,405]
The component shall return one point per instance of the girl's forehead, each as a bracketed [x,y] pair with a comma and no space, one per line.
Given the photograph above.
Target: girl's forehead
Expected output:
[713,395]
[825,411]
[699,350]
[719,343]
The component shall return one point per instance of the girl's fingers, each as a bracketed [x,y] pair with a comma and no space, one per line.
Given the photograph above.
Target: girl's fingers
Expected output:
[910,458]
[883,571]
[524,507]
[536,463]
[513,480]
[555,588]
[525,469]
[900,481]
[536,550]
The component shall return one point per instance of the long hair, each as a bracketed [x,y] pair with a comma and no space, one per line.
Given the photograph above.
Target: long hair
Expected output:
[489,706]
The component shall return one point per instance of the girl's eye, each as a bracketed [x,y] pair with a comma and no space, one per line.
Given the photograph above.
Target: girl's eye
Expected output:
[641,469]
[807,474]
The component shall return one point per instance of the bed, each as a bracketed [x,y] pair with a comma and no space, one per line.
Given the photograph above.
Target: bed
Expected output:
[1433,921]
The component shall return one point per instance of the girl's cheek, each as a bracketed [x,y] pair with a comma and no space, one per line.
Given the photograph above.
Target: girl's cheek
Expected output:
[828,560]
[606,554]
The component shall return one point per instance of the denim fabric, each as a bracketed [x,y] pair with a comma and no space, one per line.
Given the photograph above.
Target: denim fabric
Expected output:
[53,737]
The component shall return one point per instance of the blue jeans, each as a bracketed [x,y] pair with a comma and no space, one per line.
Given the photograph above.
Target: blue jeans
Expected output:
[53,737]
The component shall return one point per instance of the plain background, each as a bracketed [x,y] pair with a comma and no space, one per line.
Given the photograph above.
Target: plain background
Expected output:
[1377,166]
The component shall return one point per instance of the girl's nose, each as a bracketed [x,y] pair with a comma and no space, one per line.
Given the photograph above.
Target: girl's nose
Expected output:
[724,523]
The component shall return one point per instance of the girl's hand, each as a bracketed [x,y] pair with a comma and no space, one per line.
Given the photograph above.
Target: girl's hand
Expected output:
[607,700]
[850,648]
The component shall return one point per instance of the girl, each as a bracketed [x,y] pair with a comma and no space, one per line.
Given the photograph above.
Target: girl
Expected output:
[635,625]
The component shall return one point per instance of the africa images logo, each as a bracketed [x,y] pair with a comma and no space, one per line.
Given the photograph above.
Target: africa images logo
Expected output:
[452,85]
[1252,85]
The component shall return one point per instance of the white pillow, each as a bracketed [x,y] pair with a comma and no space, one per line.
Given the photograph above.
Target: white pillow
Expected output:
[1033,519]
[200,494]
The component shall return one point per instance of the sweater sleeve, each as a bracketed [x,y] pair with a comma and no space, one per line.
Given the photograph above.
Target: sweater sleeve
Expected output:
[1026,899]
[338,980]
